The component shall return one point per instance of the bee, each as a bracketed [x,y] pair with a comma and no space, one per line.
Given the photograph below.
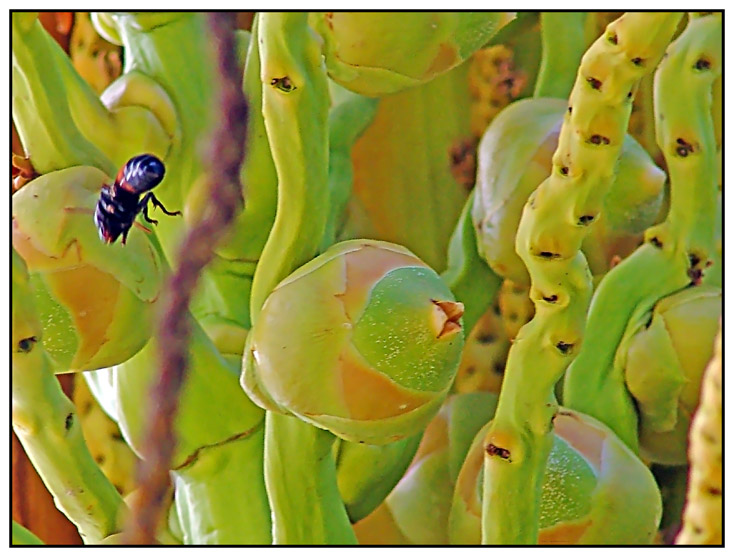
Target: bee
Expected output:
[120,203]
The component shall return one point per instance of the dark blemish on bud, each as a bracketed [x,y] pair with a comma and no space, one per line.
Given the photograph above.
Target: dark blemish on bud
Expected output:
[118,487]
[496,310]
[283,83]
[549,255]
[471,370]
[551,299]
[26,345]
[486,338]
[597,139]
[693,259]
[684,148]
[570,109]
[702,64]
[637,61]
[586,220]
[494,450]
[499,368]
[595,83]
[656,242]
[512,316]
[612,38]
[564,171]
[117,437]
[629,95]
[564,348]
[69,421]
[99,459]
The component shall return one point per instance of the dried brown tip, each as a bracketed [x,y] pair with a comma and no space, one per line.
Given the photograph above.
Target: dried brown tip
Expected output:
[446,317]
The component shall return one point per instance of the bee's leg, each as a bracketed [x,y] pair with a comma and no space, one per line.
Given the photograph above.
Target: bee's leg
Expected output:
[124,236]
[157,203]
[143,205]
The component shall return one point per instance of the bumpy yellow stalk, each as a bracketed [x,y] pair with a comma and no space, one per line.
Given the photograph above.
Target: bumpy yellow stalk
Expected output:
[552,228]
[702,518]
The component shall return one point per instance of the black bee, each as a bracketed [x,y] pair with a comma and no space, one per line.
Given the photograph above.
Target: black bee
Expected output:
[120,203]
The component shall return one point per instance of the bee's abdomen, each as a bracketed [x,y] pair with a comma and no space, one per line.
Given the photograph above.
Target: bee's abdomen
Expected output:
[141,174]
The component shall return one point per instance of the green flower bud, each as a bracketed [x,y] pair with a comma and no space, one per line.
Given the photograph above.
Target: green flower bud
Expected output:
[421,502]
[515,156]
[665,363]
[595,490]
[95,300]
[364,341]
[377,53]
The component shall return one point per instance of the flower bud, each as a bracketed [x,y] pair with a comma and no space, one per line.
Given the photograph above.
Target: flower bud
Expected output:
[665,364]
[595,491]
[95,300]
[377,53]
[364,341]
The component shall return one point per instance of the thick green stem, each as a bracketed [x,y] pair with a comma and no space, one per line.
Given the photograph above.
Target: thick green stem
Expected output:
[301,474]
[676,251]
[553,226]
[299,470]
[46,424]
[41,112]
[564,42]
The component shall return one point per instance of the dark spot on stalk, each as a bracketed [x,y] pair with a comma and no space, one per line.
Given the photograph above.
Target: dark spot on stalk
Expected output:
[564,171]
[637,61]
[586,220]
[551,299]
[564,348]
[26,345]
[494,450]
[684,148]
[69,421]
[595,83]
[283,83]
[713,491]
[499,368]
[702,64]
[486,338]
[656,242]
[597,139]
[612,38]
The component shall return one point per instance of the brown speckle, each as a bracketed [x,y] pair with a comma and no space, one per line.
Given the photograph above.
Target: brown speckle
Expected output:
[494,450]
[595,83]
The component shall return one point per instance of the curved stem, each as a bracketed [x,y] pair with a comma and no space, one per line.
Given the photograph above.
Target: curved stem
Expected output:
[564,42]
[676,252]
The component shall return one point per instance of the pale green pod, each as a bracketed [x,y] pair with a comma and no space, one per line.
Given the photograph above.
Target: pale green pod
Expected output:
[515,156]
[665,361]
[95,300]
[364,341]
[595,491]
[378,53]
[366,474]
[421,502]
